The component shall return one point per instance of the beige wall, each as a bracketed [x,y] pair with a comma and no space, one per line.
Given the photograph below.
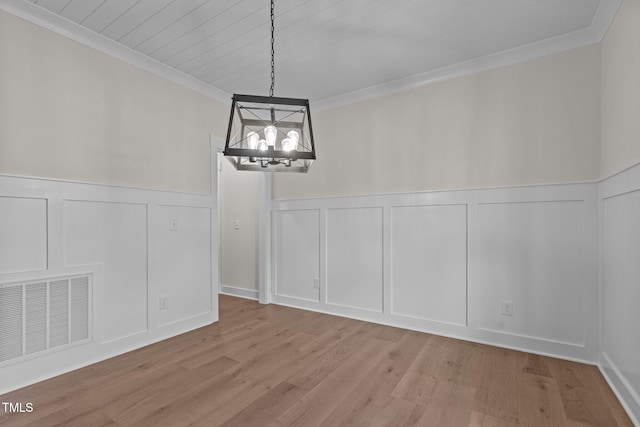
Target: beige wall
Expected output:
[70,112]
[530,123]
[621,91]
[238,247]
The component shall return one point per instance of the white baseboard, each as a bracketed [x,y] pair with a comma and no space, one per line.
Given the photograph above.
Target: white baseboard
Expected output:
[620,389]
[239,292]
[434,331]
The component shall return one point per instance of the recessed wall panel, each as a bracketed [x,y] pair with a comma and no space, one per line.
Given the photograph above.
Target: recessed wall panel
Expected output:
[114,235]
[297,253]
[621,285]
[354,257]
[184,262]
[531,257]
[429,262]
[23,234]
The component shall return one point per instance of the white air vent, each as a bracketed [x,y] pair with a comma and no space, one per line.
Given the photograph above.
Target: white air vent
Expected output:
[37,317]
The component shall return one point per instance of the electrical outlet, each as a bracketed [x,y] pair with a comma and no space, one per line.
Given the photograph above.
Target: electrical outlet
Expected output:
[507,308]
[164,302]
[316,283]
[236,224]
[173,224]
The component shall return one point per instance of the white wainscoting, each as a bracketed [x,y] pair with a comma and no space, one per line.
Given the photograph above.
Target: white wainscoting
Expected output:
[137,245]
[115,235]
[620,293]
[354,258]
[297,253]
[429,262]
[531,254]
[183,262]
[24,222]
[443,262]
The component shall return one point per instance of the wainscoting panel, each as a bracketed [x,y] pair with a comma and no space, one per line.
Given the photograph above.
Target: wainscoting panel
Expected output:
[354,258]
[621,272]
[127,242]
[183,263]
[443,262]
[24,222]
[115,235]
[429,262]
[531,256]
[297,253]
[620,222]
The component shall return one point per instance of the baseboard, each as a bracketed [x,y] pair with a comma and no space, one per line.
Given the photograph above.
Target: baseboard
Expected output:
[618,385]
[239,292]
[440,332]
[43,368]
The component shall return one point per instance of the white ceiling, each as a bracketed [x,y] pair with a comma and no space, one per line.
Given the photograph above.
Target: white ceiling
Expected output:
[328,48]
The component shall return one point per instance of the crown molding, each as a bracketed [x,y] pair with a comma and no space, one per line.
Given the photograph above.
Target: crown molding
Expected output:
[60,25]
[604,17]
[585,37]
[588,36]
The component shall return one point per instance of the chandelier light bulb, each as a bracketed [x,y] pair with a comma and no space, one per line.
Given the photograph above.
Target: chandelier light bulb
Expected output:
[294,136]
[262,145]
[287,144]
[253,139]
[270,133]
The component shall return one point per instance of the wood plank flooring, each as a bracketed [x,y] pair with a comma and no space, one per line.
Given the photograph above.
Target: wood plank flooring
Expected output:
[267,365]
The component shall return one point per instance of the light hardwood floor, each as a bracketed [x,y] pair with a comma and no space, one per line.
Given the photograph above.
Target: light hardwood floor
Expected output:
[278,366]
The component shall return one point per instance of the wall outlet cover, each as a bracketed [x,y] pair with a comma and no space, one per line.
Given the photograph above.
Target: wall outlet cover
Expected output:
[164,302]
[507,308]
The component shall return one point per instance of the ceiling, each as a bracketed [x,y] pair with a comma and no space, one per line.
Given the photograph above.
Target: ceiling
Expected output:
[325,49]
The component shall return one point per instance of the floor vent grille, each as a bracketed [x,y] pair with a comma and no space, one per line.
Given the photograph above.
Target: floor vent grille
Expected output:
[37,317]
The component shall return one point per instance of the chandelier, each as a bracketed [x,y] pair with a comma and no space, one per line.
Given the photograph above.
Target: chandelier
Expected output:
[268,133]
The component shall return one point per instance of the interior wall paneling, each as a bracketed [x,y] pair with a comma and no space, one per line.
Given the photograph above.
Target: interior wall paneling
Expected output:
[429,262]
[184,262]
[124,239]
[297,254]
[354,258]
[115,235]
[620,286]
[443,262]
[532,254]
[23,221]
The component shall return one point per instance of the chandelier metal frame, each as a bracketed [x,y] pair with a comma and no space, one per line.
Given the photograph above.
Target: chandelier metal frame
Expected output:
[288,148]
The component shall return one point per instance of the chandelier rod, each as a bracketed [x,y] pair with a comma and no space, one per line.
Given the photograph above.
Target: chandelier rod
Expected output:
[273,63]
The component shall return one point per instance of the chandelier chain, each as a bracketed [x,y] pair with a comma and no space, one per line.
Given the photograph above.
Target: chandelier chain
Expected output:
[273,63]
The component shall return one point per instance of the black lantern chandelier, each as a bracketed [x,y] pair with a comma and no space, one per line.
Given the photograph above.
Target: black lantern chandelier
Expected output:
[270,134]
